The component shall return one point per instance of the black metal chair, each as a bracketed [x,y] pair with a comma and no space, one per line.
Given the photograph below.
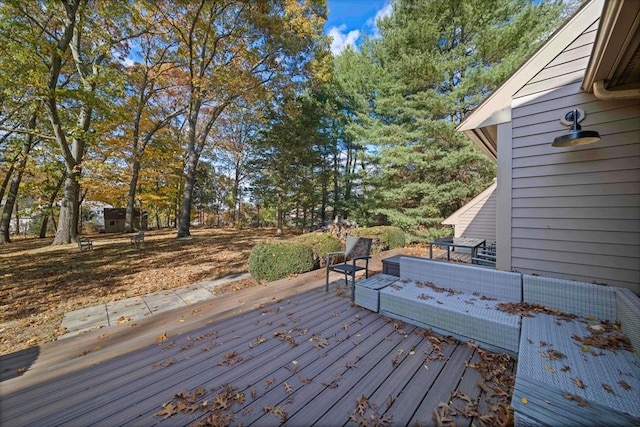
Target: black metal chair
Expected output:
[358,249]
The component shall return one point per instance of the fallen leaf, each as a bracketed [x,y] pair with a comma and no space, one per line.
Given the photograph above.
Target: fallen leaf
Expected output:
[362,403]
[269,382]
[624,385]
[608,388]
[549,368]
[305,380]
[578,382]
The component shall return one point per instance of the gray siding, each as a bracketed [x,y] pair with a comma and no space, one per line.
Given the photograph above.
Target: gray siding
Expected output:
[479,220]
[575,212]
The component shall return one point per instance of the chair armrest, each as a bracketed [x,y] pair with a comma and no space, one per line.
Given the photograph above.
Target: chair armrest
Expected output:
[362,257]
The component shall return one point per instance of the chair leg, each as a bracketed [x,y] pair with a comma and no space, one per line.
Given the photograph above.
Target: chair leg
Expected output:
[353,287]
[326,287]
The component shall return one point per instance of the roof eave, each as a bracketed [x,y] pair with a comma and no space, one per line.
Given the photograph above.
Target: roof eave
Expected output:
[617,35]
[484,142]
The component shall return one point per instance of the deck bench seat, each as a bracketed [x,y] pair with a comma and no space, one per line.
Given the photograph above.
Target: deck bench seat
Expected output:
[466,316]
[557,371]
[367,291]
[469,312]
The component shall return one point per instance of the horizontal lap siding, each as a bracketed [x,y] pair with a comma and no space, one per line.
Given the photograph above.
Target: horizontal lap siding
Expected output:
[479,221]
[575,211]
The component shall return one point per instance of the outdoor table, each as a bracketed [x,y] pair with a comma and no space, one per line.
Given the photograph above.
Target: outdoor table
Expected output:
[459,242]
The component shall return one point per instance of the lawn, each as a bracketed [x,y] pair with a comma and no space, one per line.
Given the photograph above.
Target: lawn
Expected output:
[40,283]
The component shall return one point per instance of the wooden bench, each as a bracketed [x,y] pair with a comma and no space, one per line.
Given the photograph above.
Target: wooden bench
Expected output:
[138,238]
[564,377]
[85,243]
[455,299]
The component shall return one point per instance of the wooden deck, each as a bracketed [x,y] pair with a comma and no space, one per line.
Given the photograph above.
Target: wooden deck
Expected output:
[306,359]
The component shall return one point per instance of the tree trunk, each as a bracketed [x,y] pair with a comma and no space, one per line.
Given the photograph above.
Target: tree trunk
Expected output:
[187,195]
[336,182]
[52,199]
[279,218]
[131,196]
[14,184]
[67,224]
[17,214]
[43,226]
[196,145]
[67,230]
[7,178]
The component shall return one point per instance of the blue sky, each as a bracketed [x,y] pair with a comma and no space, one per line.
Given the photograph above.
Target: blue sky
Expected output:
[349,20]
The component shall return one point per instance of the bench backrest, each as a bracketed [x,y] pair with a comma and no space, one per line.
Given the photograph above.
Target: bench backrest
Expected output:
[504,286]
[569,296]
[628,312]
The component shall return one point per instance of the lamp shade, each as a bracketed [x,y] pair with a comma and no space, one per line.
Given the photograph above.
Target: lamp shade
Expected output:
[579,137]
[576,136]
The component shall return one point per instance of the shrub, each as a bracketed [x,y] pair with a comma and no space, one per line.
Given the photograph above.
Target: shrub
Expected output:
[275,260]
[384,237]
[320,244]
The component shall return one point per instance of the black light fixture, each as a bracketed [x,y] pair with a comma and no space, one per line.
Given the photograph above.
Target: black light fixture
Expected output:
[577,136]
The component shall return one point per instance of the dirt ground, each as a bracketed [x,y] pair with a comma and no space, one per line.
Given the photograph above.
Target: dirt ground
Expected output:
[40,283]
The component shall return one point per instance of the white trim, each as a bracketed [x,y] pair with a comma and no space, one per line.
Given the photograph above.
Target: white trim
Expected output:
[616,41]
[504,198]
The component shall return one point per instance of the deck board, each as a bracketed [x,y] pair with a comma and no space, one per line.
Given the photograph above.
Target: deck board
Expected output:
[378,387]
[144,387]
[140,364]
[374,359]
[341,352]
[440,389]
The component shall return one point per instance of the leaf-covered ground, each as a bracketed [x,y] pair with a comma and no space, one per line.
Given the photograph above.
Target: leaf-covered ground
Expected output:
[40,283]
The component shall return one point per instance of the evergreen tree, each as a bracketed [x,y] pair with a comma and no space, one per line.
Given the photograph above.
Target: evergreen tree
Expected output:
[436,61]
[287,162]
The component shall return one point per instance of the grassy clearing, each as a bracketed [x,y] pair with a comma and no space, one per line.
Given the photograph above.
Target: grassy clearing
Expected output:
[39,283]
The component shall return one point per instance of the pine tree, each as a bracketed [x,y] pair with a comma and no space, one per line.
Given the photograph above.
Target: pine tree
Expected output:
[437,60]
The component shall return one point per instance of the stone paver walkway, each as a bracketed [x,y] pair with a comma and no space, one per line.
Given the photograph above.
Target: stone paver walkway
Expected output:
[130,309]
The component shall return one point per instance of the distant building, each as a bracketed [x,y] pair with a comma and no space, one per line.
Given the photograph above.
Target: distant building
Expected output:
[114,220]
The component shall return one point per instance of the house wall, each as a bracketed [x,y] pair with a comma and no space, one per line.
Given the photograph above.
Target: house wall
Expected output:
[114,220]
[477,219]
[575,212]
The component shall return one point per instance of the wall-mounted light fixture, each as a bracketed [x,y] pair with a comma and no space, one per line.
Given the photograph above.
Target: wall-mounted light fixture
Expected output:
[577,136]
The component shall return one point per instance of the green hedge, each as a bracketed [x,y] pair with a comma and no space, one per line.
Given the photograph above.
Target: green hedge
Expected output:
[320,244]
[275,260]
[384,237]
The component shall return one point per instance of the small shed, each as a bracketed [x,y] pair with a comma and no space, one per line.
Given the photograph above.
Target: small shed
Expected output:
[114,219]
[476,219]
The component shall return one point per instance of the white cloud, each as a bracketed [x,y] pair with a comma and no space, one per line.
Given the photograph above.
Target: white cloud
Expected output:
[128,62]
[340,39]
[382,13]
